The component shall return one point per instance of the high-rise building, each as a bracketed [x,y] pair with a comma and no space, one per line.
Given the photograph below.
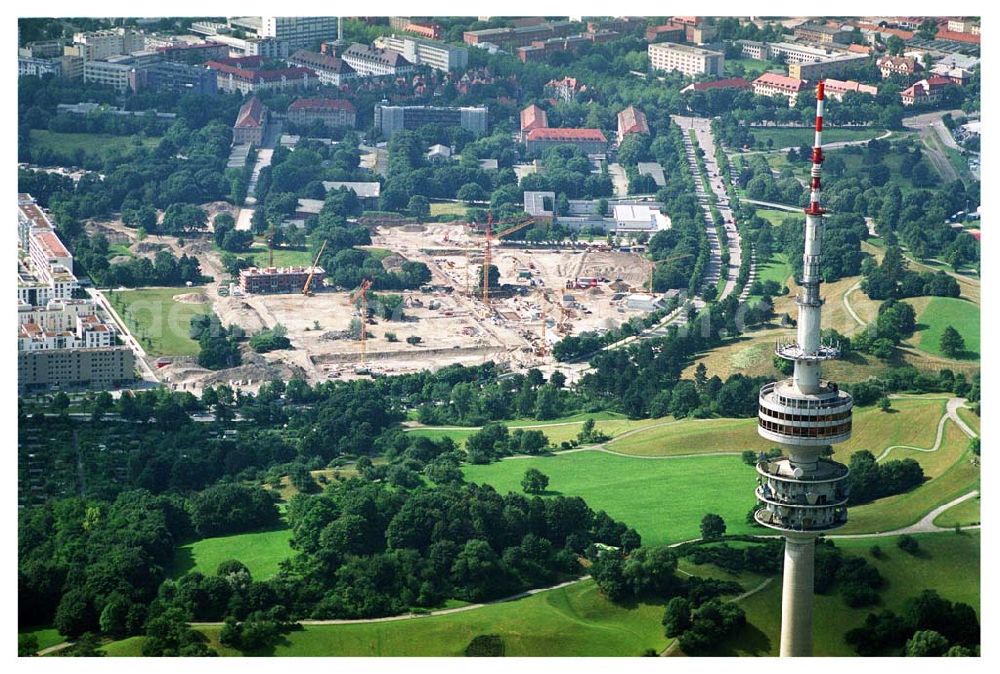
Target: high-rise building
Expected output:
[392,118]
[804,494]
[421,52]
[299,32]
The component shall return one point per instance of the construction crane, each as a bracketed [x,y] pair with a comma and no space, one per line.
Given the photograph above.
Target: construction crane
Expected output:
[487,258]
[307,288]
[517,226]
[362,294]
[669,258]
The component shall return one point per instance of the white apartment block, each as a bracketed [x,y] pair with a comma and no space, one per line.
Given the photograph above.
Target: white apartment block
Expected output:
[431,53]
[62,324]
[117,75]
[299,31]
[670,57]
[101,44]
[38,67]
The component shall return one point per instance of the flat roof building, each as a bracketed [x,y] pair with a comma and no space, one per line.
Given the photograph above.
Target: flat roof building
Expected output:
[332,113]
[392,118]
[272,280]
[685,59]
[432,53]
[298,32]
[833,66]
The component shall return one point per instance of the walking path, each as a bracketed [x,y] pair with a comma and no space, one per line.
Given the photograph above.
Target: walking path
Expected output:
[924,526]
[847,304]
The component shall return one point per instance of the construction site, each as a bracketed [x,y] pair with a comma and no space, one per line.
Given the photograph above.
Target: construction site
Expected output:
[544,292]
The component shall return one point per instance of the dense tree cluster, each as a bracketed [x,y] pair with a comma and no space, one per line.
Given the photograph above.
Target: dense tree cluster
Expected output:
[886,633]
[230,508]
[892,279]
[870,480]
[494,441]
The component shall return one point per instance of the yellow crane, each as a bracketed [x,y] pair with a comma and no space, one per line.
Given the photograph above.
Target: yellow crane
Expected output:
[307,288]
[362,294]
[488,256]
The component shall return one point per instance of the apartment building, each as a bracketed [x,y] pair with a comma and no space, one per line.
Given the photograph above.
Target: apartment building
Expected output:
[331,70]
[532,117]
[392,118]
[243,75]
[178,78]
[837,88]
[564,90]
[103,44]
[589,141]
[37,67]
[772,84]
[790,52]
[251,123]
[299,32]
[685,59]
[196,53]
[117,75]
[834,66]
[898,65]
[518,36]
[821,34]
[332,113]
[74,367]
[418,51]
[373,62]
[668,32]
[925,91]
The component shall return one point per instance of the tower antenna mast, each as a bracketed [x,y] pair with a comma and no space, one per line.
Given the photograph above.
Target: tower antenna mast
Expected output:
[803,495]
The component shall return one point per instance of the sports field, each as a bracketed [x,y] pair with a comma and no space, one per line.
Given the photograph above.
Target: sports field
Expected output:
[261,551]
[948,563]
[934,314]
[158,321]
[663,499]
[98,144]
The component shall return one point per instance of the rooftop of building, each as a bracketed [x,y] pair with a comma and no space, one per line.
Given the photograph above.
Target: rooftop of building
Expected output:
[632,120]
[781,81]
[322,61]
[251,115]
[843,86]
[279,271]
[321,104]
[362,189]
[594,135]
[51,243]
[533,117]
[684,48]
[386,56]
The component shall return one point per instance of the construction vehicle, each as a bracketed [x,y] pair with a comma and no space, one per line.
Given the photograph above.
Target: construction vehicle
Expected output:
[362,294]
[307,288]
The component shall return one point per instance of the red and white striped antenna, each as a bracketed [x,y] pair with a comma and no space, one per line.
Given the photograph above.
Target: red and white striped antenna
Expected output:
[817,155]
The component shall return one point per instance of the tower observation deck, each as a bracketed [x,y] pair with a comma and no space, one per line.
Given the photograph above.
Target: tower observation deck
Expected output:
[803,494]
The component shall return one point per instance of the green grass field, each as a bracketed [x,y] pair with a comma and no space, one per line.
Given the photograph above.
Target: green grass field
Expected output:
[775,216]
[100,144]
[664,500]
[116,249]
[777,268]
[448,208]
[941,312]
[160,323]
[948,563]
[261,551]
[571,621]
[795,137]
[47,636]
[970,418]
[283,257]
[751,67]
[963,514]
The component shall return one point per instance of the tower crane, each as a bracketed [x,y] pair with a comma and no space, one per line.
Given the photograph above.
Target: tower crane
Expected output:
[488,256]
[362,294]
[669,258]
[307,288]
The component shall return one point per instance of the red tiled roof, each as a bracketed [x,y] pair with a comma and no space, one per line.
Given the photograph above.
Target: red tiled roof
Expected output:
[251,115]
[321,104]
[730,83]
[898,32]
[840,87]
[261,75]
[52,243]
[780,81]
[859,49]
[956,36]
[631,120]
[533,117]
[594,135]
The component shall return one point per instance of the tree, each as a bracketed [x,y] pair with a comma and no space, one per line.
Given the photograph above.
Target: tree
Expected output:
[926,644]
[419,207]
[60,402]
[712,526]
[908,543]
[677,616]
[884,403]
[27,645]
[534,481]
[103,403]
[952,344]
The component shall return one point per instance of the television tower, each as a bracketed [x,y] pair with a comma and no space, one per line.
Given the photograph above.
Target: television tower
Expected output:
[803,494]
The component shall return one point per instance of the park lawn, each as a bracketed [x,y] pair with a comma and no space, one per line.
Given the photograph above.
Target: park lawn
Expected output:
[47,636]
[283,257]
[948,563]
[125,648]
[692,436]
[751,67]
[934,314]
[119,249]
[663,499]
[448,208]
[571,621]
[969,417]
[775,216]
[557,430]
[893,512]
[95,144]
[965,513]
[261,551]
[160,323]
[796,137]
[777,268]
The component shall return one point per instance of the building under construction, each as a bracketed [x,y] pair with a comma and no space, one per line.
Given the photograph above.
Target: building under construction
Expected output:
[274,280]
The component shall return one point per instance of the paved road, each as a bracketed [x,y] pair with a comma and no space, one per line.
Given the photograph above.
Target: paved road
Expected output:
[619,179]
[930,124]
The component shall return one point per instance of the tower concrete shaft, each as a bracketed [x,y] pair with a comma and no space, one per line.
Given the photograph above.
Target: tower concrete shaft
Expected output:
[804,495]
